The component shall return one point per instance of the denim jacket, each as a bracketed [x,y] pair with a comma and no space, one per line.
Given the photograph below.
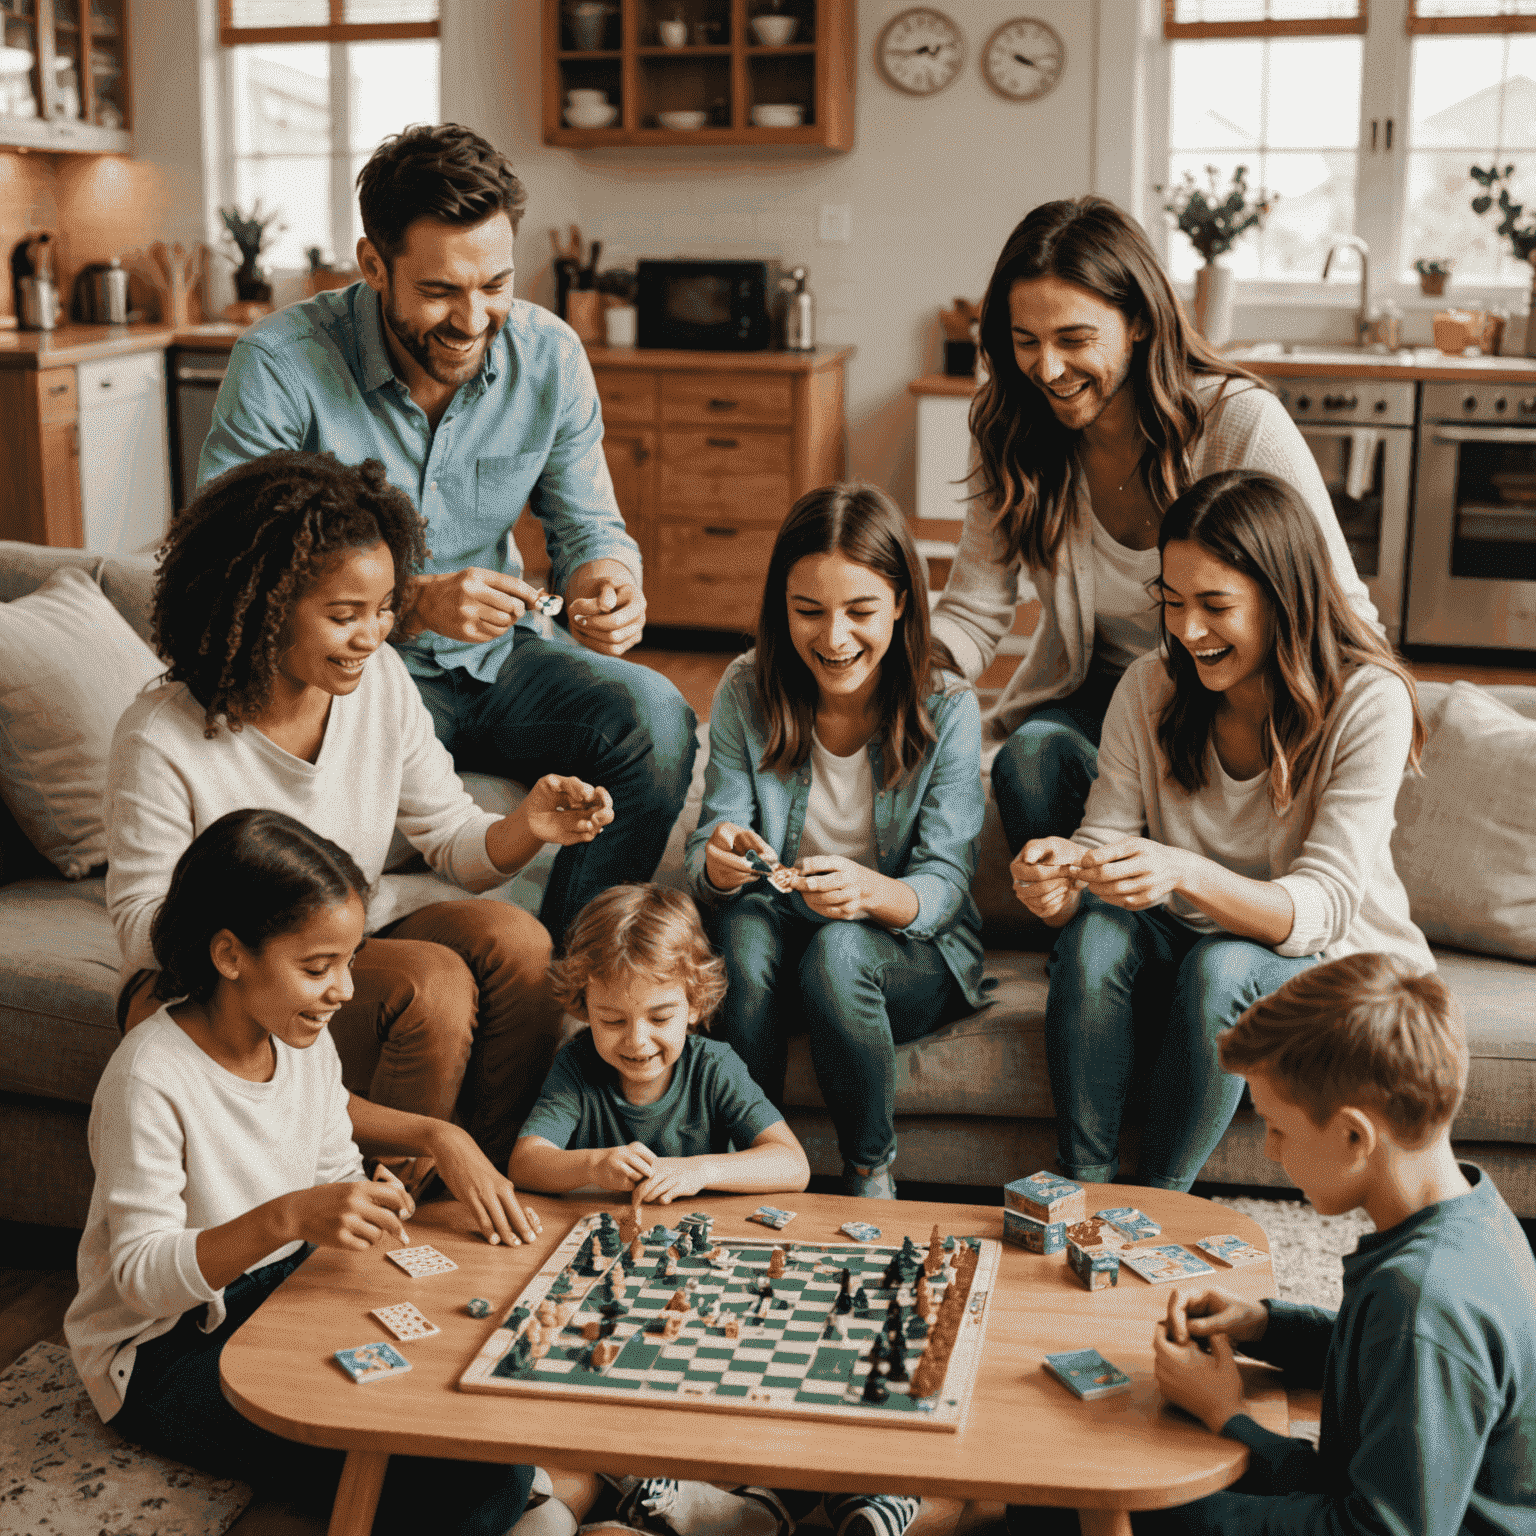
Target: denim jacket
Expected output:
[925,828]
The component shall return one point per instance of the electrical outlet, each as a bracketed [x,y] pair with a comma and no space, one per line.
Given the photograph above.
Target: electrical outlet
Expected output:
[836,224]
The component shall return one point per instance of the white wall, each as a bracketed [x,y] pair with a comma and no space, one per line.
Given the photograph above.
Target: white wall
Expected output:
[934,186]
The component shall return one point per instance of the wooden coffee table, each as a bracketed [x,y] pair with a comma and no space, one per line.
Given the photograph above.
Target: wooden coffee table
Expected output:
[1027,1439]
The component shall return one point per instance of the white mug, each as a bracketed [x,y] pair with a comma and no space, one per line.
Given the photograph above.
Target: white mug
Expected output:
[619,324]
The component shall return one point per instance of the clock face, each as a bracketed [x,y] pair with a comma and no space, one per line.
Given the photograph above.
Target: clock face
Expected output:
[920,51]
[1023,59]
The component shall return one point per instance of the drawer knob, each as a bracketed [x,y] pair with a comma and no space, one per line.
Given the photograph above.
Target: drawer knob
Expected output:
[642,453]
[723,405]
[104,383]
[721,533]
[58,389]
[722,442]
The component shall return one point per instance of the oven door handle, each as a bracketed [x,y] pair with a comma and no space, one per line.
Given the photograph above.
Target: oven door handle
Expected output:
[1338,429]
[1526,436]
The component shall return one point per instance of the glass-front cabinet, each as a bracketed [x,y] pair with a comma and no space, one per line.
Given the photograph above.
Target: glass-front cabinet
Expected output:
[64,75]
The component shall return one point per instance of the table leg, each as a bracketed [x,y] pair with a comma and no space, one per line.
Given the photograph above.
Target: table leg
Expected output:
[1095,1522]
[357,1494]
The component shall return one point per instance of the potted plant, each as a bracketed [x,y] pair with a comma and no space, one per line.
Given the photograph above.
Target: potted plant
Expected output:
[251,233]
[1215,218]
[1522,238]
[1433,274]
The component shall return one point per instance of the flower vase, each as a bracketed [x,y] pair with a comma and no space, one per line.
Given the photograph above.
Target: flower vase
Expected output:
[1215,295]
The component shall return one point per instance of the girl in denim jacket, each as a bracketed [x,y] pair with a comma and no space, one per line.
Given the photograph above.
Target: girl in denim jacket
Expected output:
[845,751]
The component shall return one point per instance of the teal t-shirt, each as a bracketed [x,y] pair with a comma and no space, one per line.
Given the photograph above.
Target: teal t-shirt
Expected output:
[710,1105]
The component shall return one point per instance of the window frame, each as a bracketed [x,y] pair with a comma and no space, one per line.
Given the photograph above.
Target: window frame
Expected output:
[339,30]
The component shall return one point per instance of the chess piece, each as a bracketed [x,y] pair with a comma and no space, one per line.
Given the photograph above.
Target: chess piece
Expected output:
[896,1361]
[875,1390]
[776,1264]
[732,1326]
[844,1302]
[923,1301]
[636,1250]
[546,1312]
[672,1325]
[935,1258]
[680,1302]
[861,1300]
[604,1353]
[592,1330]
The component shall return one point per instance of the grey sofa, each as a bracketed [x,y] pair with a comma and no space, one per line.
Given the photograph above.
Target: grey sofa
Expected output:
[973,1100]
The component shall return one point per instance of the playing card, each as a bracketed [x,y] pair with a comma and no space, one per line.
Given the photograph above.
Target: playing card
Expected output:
[372,1362]
[405,1321]
[1169,1262]
[1231,1250]
[860,1231]
[424,1260]
[772,1216]
[1087,1374]
[1134,1224]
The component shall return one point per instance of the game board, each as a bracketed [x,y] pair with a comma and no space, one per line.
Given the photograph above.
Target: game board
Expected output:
[786,1363]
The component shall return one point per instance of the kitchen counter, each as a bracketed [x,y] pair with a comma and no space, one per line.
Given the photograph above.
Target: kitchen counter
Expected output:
[72,344]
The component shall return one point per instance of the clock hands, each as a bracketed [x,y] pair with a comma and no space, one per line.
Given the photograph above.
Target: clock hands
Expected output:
[933,50]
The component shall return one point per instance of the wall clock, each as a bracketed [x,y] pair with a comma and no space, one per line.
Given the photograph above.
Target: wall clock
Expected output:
[1023,59]
[920,51]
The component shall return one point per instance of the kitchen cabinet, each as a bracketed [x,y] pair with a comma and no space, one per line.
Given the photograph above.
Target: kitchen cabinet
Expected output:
[64,75]
[125,480]
[708,451]
[723,71]
[40,457]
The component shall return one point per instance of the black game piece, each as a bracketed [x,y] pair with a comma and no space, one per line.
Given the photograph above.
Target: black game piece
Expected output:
[893,1317]
[917,1328]
[861,1300]
[875,1390]
[896,1362]
[583,1263]
[844,1303]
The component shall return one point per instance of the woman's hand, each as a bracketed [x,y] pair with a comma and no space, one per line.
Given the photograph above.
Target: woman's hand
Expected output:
[1043,877]
[1135,873]
[674,1178]
[352,1216]
[623,1167]
[1207,1385]
[725,863]
[837,887]
[565,810]
[472,1178]
[1203,1314]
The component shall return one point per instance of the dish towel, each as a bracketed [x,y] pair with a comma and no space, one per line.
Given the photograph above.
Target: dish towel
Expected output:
[1363,442]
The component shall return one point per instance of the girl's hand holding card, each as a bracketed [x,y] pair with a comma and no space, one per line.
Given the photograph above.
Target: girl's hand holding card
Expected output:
[565,810]
[1134,873]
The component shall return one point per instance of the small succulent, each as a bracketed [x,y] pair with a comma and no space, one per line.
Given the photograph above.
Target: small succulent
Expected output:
[1522,239]
[1434,267]
[1213,217]
[251,232]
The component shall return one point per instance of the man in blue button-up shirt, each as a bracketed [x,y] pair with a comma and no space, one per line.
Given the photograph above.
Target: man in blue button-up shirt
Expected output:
[478,403]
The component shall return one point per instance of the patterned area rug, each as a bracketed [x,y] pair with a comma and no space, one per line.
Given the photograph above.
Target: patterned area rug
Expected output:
[65,1473]
[1307,1249]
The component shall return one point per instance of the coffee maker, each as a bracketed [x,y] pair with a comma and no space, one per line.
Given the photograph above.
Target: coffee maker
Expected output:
[34,290]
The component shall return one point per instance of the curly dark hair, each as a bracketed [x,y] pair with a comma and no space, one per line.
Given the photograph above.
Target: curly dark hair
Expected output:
[248,546]
[444,172]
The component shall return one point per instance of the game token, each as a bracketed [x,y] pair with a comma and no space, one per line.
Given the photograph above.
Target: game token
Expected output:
[772,1216]
[1036,1236]
[1087,1374]
[548,604]
[372,1362]
[1232,1250]
[406,1322]
[1170,1262]
[420,1261]
[1136,1225]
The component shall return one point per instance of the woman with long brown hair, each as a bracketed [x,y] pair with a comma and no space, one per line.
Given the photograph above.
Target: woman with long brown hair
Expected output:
[844,748]
[1101,407]
[1239,829]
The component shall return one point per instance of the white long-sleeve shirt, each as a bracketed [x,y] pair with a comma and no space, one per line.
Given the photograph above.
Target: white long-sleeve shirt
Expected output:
[380,766]
[180,1145]
[1246,429]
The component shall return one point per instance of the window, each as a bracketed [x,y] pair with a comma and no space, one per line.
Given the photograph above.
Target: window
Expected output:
[311,87]
[1365,118]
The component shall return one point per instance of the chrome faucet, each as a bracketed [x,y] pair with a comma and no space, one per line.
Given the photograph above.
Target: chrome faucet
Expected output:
[1363,315]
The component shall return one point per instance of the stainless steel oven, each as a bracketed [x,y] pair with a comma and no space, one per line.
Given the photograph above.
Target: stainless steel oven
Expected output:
[1473,579]
[1360,432]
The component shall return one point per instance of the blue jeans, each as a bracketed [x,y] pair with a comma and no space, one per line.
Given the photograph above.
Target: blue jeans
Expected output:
[1042,775]
[175,1407]
[556,707]
[1122,980]
[858,989]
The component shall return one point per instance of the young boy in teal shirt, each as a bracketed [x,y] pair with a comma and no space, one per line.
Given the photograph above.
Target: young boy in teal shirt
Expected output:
[1428,1370]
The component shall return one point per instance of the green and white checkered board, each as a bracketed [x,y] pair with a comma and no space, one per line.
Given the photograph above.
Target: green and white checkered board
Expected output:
[780,1366]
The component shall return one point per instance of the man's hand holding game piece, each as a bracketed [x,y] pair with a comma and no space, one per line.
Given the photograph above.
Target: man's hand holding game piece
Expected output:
[674,1178]
[1043,877]
[1204,1314]
[625,1168]
[1208,1386]
[606,607]
[472,1178]
[473,605]
[561,809]
[726,864]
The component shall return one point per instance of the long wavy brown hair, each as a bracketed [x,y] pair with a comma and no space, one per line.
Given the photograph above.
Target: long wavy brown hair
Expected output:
[1258,525]
[1025,458]
[863,524]
[250,543]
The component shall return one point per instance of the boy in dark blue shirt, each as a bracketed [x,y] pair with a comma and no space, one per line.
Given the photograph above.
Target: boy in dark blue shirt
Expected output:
[1428,1370]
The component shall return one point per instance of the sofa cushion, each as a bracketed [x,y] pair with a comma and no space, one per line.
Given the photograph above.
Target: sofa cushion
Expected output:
[58,987]
[1465,844]
[70,665]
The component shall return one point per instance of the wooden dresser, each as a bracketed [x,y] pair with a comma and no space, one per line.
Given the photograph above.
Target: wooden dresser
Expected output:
[708,451]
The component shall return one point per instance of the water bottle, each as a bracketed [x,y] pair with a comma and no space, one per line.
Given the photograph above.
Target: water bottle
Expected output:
[800,317]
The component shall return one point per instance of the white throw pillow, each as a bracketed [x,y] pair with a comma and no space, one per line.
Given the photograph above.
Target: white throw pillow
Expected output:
[1465,844]
[69,666]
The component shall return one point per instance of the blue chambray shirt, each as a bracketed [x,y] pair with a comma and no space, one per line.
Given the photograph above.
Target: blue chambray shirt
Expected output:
[526,430]
[925,828]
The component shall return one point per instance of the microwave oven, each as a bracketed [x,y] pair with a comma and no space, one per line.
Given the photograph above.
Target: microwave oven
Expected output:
[709,306]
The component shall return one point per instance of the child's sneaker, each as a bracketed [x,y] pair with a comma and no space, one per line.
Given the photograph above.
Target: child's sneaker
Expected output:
[870,1514]
[671,1507]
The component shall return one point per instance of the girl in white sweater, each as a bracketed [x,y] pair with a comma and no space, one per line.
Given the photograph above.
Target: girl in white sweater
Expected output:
[222,1139]
[1238,831]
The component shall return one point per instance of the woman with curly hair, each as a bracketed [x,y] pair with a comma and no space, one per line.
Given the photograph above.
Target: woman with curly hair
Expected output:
[276,592]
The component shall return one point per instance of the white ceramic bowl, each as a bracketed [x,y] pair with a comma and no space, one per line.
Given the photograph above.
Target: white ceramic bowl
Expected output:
[587,98]
[774,31]
[673,34]
[682,121]
[591,117]
[778,114]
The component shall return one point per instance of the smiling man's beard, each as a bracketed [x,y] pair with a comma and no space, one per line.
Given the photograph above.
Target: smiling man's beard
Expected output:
[420,349]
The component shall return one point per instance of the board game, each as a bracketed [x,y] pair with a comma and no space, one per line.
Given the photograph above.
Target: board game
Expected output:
[854,1332]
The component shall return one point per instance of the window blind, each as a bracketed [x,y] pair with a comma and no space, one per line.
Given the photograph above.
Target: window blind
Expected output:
[1263,18]
[324,21]
[1471,16]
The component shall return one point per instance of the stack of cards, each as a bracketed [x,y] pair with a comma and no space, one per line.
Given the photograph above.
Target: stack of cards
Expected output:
[772,1216]
[860,1231]
[1231,1250]
[1157,1266]
[1046,1197]
[424,1260]
[1087,1374]
[1133,1224]
[372,1362]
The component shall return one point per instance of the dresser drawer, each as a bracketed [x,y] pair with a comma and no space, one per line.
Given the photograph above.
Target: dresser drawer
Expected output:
[708,575]
[723,452]
[762,399]
[688,492]
[628,395]
[114,379]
